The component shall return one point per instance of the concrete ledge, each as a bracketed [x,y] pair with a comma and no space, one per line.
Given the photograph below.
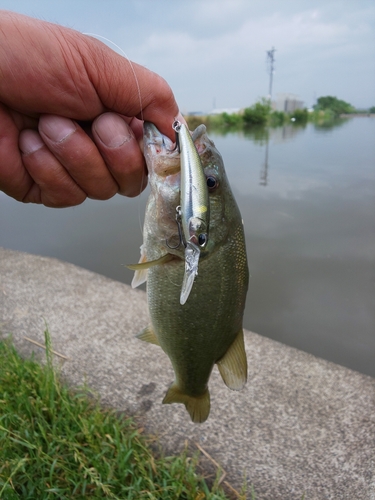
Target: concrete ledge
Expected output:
[301,426]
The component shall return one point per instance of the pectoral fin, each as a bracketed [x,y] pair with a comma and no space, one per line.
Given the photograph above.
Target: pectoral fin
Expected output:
[148,335]
[233,365]
[197,406]
[140,275]
[146,264]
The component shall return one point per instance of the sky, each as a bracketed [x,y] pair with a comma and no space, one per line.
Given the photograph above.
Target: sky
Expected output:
[213,52]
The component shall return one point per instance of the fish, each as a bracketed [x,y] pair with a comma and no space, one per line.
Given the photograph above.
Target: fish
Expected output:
[194,209]
[208,328]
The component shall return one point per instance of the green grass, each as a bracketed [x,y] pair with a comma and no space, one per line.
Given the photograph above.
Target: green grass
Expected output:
[58,444]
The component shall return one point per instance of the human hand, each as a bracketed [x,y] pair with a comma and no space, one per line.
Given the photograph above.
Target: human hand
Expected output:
[71,112]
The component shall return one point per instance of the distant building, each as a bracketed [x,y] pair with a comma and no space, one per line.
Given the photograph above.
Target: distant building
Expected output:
[229,111]
[287,103]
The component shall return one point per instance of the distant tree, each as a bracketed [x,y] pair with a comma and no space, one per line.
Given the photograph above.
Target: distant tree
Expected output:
[300,116]
[230,120]
[337,106]
[372,109]
[257,114]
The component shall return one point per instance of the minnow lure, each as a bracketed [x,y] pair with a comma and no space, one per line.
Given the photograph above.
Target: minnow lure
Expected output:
[194,209]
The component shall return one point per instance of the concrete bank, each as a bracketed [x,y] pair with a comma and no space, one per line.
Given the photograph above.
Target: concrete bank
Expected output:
[301,426]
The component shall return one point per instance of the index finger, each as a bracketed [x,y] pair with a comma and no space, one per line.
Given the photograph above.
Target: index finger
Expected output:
[133,90]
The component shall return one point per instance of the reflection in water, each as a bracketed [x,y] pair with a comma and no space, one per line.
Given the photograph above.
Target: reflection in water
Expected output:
[330,124]
[286,132]
[264,135]
[277,134]
[256,134]
[261,133]
[264,171]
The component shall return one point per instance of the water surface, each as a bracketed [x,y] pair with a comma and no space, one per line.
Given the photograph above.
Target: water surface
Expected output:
[307,196]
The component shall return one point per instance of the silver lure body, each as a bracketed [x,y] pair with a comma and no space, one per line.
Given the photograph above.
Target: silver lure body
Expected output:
[194,206]
[195,213]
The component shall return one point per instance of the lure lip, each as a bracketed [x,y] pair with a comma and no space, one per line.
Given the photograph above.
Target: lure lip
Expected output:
[192,255]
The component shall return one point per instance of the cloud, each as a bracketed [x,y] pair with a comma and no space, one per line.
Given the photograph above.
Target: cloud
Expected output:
[249,41]
[217,48]
[223,51]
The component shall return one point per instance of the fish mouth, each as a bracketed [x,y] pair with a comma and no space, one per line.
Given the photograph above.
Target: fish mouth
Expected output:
[161,153]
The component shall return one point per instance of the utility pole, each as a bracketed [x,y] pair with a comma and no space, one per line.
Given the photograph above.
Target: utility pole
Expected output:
[270,62]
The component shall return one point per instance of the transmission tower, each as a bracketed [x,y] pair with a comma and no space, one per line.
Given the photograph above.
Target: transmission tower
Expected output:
[271,69]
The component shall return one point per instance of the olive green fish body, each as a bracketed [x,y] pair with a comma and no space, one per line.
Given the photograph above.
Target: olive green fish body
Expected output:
[207,329]
[201,331]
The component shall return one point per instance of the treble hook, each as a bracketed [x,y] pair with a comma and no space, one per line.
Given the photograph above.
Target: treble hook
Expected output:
[180,233]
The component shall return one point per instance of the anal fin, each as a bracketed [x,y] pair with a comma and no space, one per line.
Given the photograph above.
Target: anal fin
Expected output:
[197,406]
[148,335]
[233,365]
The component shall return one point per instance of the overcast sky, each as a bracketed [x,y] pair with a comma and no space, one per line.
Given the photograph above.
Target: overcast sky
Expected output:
[213,52]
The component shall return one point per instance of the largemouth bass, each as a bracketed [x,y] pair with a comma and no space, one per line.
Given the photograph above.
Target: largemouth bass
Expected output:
[207,329]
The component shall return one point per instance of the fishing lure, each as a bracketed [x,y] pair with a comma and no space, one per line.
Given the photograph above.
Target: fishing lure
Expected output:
[194,209]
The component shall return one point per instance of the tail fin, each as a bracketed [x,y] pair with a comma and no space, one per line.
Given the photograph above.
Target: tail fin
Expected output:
[197,406]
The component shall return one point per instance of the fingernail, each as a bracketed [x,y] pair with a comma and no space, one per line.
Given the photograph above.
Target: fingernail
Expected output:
[30,142]
[56,128]
[112,130]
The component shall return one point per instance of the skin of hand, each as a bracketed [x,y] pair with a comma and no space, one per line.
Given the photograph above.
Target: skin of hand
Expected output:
[71,112]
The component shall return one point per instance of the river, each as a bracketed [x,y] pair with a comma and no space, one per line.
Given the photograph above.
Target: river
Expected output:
[307,196]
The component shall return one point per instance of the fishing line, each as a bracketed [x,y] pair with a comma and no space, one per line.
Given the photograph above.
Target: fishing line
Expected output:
[130,63]
[95,35]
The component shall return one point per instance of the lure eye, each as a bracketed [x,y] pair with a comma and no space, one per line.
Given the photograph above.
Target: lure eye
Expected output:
[202,239]
[211,183]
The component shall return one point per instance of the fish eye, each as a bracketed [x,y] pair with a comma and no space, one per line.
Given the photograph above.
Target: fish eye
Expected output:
[202,239]
[211,182]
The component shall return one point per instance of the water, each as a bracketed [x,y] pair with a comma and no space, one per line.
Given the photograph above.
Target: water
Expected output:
[307,197]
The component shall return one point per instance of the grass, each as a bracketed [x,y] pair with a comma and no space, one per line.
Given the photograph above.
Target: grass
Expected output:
[59,444]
